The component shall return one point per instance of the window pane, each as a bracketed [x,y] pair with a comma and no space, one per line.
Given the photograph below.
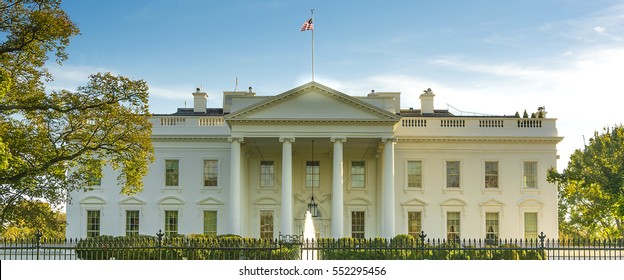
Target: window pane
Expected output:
[210,223]
[530,226]
[266,224]
[358,176]
[171,223]
[530,174]
[491,174]
[312,174]
[452,227]
[452,174]
[414,224]
[93,223]
[211,173]
[491,228]
[92,179]
[357,224]
[414,174]
[267,174]
[172,172]
[132,223]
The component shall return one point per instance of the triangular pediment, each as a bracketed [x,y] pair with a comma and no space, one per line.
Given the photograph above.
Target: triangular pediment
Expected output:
[132,201]
[312,102]
[210,201]
[492,203]
[414,202]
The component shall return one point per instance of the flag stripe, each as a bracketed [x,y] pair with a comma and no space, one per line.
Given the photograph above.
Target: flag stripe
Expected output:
[308,25]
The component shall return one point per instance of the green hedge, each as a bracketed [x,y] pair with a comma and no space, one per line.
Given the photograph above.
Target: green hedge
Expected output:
[233,247]
[405,247]
[193,247]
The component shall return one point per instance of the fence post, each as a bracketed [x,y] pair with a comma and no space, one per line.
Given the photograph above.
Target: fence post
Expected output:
[422,236]
[542,236]
[160,235]
[38,235]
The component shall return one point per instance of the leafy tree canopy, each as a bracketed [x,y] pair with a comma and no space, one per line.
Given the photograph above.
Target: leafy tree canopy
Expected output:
[591,188]
[28,217]
[45,134]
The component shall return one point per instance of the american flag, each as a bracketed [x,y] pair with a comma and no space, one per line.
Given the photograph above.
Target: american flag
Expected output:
[308,25]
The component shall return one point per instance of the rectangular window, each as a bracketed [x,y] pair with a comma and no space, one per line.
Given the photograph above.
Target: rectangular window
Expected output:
[266,224]
[132,223]
[267,174]
[357,224]
[93,179]
[414,224]
[93,223]
[452,227]
[210,223]
[358,174]
[491,174]
[172,175]
[530,226]
[530,174]
[452,174]
[491,228]
[414,174]
[211,173]
[312,174]
[171,223]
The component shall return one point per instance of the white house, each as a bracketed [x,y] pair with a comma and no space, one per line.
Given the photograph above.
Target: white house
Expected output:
[251,168]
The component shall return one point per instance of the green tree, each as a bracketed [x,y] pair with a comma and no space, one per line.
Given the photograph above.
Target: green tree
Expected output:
[591,188]
[43,133]
[28,217]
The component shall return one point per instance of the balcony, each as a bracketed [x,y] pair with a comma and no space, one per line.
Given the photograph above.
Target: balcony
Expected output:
[189,125]
[476,127]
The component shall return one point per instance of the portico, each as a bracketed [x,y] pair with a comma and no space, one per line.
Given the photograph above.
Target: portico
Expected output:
[345,128]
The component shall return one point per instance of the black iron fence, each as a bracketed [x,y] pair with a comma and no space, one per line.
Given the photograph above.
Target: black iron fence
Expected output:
[293,247]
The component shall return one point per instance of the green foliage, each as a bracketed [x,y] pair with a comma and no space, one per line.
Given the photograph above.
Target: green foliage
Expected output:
[405,247]
[192,247]
[525,114]
[44,134]
[591,188]
[29,217]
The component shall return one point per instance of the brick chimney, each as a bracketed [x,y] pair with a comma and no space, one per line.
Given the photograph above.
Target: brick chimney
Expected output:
[199,101]
[426,102]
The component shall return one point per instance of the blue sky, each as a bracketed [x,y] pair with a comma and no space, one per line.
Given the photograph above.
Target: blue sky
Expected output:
[491,57]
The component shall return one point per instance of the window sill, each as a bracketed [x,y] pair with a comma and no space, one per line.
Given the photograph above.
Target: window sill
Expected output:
[271,189]
[208,189]
[531,191]
[350,190]
[171,188]
[95,189]
[491,190]
[453,190]
[408,190]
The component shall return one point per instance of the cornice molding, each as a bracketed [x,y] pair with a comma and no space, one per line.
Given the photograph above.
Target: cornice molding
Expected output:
[190,138]
[506,139]
[312,121]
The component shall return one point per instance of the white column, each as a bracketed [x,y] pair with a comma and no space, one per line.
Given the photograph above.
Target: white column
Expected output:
[235,185]
[337,210]
[286,214]
[388,188]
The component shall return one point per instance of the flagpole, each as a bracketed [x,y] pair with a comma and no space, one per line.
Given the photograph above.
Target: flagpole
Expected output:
[312,11]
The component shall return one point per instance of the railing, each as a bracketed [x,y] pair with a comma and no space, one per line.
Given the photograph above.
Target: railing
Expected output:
[189,121]
[405,122]
[402,247]
[476,127]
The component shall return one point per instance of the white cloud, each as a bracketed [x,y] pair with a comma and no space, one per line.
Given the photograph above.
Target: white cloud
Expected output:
[599,29]
[584,92]
[70,77]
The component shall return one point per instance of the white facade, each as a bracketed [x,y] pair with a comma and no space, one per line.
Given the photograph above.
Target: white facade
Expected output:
[243,167]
